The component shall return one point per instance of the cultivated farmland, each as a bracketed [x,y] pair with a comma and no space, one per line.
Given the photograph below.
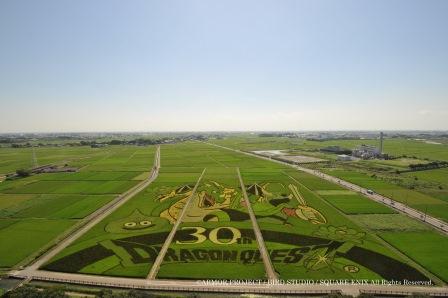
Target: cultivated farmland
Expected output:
[216,230]
[35,210]
[415,199]
[304,220]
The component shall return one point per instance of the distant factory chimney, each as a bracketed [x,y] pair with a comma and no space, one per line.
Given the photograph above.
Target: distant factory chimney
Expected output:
[381,143]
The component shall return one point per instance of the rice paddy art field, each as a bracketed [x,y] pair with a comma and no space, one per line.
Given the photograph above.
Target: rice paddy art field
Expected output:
[36,210]
[215,239]
[308,238]
[308,226]
[426,191]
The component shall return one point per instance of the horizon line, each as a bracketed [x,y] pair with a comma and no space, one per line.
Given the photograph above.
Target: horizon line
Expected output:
[223,131]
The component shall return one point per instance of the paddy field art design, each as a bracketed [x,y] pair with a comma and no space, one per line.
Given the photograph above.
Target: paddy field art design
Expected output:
[302,240]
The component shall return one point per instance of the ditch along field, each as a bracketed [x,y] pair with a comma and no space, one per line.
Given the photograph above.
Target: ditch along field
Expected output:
[309,231]
[36,210]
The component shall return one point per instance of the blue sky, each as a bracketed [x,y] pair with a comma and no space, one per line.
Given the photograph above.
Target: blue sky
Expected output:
[223,65]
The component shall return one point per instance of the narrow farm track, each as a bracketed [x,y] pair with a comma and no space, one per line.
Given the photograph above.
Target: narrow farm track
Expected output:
[402,208]
[270,272]
[93,219]
[271,287]
[155,267]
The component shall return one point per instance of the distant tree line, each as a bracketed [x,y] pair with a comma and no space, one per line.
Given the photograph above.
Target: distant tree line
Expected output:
[28,145]
[139,141]
[428,166]
[145,141]
[277,134]
[336,150]
[20,145]
[28,291]
[425,166]
[96,143]
[23,173]
[33,292]
[324,139]
[10,140]
[139,294]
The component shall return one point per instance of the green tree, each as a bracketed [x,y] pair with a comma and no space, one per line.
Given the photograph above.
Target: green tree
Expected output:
[28,291]
[23,173]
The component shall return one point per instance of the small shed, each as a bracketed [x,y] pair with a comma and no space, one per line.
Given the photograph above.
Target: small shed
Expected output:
[344,157]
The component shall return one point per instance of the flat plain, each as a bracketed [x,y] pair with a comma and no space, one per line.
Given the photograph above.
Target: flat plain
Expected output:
[37,209]
[311,228]
[308,233]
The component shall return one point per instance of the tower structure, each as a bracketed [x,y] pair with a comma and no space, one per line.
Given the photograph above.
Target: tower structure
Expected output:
[381,143]
[35,164]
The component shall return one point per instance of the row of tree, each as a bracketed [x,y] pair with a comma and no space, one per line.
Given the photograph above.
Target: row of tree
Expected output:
[428,166]
[28,291]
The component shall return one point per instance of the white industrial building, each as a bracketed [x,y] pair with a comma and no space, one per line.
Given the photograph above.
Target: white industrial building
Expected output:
[368,151]
[344,157]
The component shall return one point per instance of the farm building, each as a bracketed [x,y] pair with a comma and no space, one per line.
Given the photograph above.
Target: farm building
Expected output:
[344,157]
[369,151]
[366,152]
[336,150]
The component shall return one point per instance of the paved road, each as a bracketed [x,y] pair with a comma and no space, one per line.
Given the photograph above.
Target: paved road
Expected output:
[436,223]
[270,272]
[155,267]
[204,286]
[432,221]
[95,218]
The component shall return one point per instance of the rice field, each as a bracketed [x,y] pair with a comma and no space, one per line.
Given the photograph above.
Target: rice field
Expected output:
[305,222]
[420,201]
[36,209]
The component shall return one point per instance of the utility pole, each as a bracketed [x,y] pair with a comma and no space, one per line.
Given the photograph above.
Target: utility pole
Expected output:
[381,143]
[35,165]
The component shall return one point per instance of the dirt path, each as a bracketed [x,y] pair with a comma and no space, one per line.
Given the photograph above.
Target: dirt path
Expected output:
[155,267]
[270,272]
[430,275]
[94,219]
[204,286]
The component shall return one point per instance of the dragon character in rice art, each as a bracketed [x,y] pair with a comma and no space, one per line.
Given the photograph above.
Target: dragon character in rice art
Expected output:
[214,201]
